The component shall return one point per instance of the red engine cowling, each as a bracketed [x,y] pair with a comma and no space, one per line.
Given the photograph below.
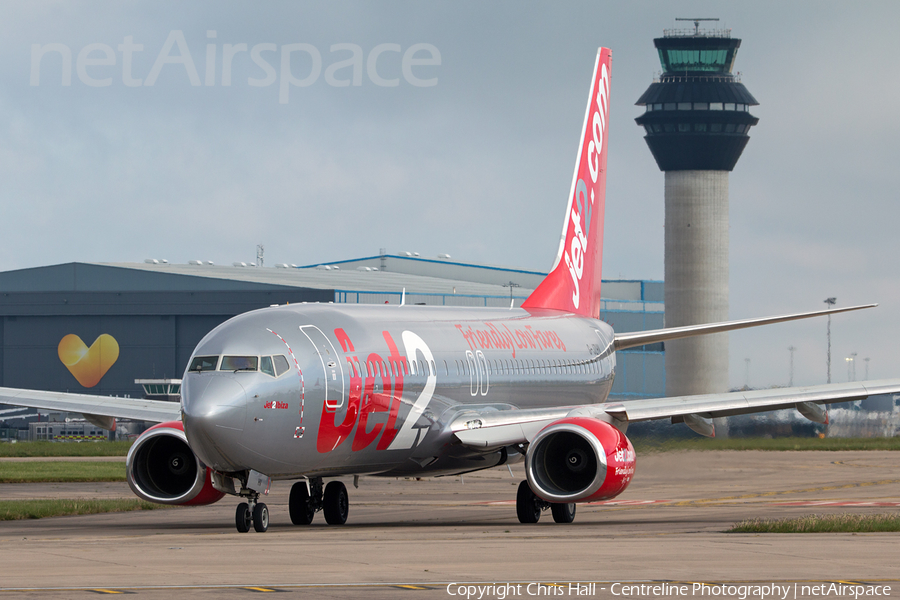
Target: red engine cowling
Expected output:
[579,459]
[163,469]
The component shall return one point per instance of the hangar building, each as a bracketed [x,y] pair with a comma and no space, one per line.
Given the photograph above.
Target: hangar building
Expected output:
[155,312]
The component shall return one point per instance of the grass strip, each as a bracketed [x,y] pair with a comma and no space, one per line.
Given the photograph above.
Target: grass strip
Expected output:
[12,510]
[40,449]
[839,523]
[35,472]
[650,445]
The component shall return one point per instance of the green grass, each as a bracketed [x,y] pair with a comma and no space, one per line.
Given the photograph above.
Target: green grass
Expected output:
[11,510]
[650,445]
[41,471]
[42,449]
[841,523]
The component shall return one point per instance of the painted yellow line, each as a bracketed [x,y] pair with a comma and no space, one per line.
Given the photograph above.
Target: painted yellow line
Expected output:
[102,591]
[412,587]
[259,589]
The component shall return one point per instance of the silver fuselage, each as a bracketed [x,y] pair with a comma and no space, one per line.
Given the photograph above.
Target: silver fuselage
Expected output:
[373,389]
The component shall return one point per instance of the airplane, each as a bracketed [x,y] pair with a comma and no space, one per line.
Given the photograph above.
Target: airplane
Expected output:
[309,392]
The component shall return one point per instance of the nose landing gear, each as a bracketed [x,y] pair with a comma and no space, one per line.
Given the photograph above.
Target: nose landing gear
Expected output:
[305,501]
[252,512]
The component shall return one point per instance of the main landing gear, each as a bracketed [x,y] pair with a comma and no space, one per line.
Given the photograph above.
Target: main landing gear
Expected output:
[305,501]
[529,507]
[252,512]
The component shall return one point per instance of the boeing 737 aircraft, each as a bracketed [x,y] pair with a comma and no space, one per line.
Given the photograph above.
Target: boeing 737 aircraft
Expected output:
[312,392]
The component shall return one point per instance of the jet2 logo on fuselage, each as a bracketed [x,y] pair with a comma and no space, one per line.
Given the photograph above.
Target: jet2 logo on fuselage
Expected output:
[375,393]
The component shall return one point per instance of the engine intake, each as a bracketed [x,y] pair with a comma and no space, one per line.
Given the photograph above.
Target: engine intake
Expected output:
[579,459]
[162,468]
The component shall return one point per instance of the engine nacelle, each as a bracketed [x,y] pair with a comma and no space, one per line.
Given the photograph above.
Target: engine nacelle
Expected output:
[579,459]
[163,469]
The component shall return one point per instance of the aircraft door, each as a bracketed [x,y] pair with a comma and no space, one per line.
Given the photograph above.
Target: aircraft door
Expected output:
[331,366]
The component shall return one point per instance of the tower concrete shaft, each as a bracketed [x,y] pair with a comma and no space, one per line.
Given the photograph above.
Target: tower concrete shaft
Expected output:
[696,279]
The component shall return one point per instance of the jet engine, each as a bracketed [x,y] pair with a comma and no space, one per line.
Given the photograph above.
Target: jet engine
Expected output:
[162,468]
[579,459]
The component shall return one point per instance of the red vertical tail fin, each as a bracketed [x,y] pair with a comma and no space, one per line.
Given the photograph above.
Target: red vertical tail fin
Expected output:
[573,284]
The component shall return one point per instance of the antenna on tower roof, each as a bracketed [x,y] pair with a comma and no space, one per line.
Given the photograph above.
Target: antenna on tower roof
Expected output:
[696,21]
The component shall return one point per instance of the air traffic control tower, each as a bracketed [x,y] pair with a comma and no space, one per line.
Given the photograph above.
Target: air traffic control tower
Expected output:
[697,121]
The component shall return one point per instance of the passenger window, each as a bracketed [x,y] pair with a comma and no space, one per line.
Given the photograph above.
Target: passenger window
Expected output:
[204,363]
[266,366]
[239,363]
[281,365]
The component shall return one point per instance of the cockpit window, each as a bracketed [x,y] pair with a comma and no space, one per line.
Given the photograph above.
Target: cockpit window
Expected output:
[204,363]
[239,363]
[265,365]
[281,365]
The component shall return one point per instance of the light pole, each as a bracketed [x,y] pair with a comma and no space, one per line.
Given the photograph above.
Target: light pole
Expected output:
[866,359]
[747,373]
[511,285]
[830,302]
[851,366]
[791,380]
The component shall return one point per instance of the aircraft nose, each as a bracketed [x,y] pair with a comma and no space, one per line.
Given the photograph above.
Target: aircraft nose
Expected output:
[215,408]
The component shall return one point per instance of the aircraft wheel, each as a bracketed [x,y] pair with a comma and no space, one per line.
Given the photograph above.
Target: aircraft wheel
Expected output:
[260,517]
[528,505]
[563,513]
[336,503]
[299,505]
[243,518]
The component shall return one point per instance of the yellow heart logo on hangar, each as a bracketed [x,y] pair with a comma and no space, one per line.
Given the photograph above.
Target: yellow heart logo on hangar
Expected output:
[88,365]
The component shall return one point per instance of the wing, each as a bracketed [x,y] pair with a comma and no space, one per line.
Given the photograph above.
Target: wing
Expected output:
[639,338]
[157,411]
[497,428]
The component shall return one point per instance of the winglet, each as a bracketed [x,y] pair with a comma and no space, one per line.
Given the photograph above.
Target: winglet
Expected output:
[573,284]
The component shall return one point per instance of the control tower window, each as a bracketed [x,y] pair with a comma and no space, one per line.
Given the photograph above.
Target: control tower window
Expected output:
[684,127]
[715,106]
[204,363]
[694,60]
[729,128]
[239,363]
[729,106]
[701,105]
[670,106]
[700,127]
[715,127]
[657,106]
[684,106]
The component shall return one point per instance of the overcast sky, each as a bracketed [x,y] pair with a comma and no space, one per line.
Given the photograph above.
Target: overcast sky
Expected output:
[472,156]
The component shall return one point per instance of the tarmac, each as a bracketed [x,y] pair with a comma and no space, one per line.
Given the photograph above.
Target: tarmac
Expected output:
[433,538]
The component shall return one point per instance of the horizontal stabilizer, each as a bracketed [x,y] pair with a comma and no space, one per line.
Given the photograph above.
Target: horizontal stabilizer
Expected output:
[639,338]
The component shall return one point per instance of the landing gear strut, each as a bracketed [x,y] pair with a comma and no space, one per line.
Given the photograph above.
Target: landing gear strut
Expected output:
[305,501]
[529,507]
